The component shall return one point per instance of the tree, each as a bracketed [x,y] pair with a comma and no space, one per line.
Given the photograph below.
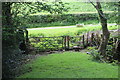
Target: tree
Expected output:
[7,25]
[105,31]
[11,11]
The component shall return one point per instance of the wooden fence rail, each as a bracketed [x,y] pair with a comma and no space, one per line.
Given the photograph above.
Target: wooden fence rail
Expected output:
[65,42]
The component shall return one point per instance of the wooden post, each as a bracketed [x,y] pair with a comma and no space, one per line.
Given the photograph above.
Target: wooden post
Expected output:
[68,37]
[65,42]
[83,41]
[80,40]
[62,42]
[87,39]
[27,39]
[92,37]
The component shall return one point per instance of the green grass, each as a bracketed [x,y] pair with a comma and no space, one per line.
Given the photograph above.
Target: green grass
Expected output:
[80,7]
[65,31]
[77,7]
[69,65]
[59,32]
[56,24]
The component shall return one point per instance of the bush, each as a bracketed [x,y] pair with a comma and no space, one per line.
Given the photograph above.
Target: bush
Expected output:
[64,18]
[110,53]
[91,48]
[96,56]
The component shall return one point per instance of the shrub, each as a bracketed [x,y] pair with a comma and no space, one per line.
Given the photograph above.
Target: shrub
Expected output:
[91,48]
[96,56]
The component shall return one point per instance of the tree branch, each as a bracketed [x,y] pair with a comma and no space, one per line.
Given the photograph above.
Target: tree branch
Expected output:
[93,4]
[98,8]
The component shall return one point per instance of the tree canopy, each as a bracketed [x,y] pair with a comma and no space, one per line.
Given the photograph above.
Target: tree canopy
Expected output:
[12,11]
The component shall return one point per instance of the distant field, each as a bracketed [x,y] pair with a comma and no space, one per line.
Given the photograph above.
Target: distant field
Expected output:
[76,8]
[83,7]
[80,7]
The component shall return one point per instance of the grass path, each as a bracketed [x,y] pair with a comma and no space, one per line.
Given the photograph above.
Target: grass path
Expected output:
[69,65]
[63,31]
[66,26]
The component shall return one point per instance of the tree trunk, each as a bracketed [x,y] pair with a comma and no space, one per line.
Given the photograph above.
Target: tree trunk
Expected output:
[6,15]
[106,34]
[7,25]
[105,31]
[105,37]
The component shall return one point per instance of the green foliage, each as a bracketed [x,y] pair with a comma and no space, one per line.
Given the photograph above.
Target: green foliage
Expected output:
[109,51]
[111,54]
[68,65]
[111,5]
[15,15]
[91,48]
[96,56]
[47,44]
[8,39]
[114,6]
[63,17]
[22,10]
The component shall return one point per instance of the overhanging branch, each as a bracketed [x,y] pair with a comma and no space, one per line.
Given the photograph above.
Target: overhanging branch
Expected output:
[98,8]
[93,4]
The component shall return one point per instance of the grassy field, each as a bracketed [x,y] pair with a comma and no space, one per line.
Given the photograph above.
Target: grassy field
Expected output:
[80,7]
[84,7]
[75,8]
[69,65]
[65,31]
